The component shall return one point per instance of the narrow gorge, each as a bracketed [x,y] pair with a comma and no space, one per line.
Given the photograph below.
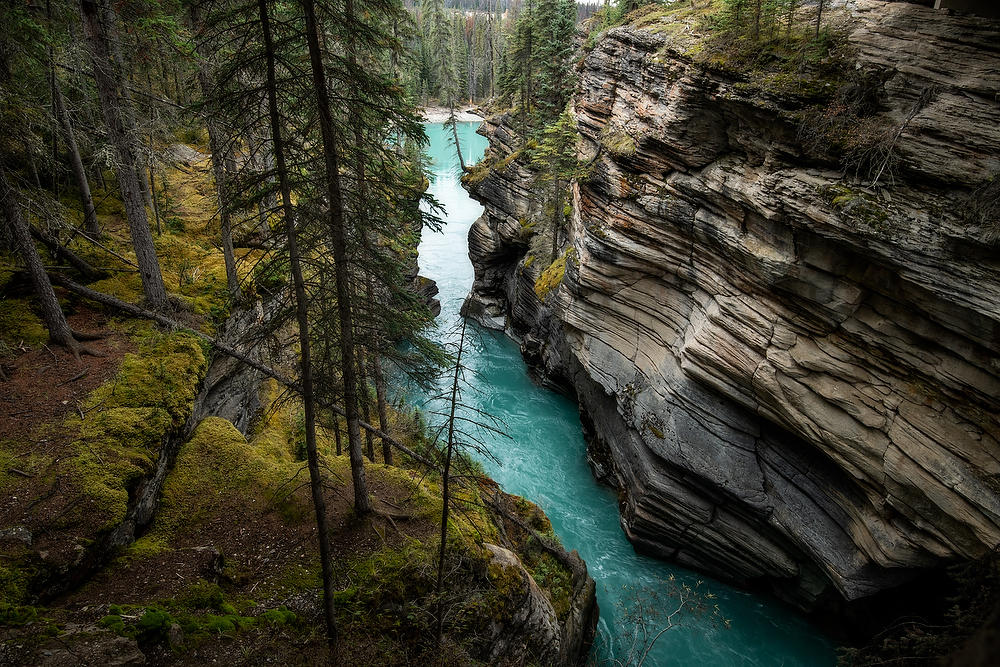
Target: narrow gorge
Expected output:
[775,297]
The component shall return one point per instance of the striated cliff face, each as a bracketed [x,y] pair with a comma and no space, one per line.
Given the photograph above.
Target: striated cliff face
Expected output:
[792,376]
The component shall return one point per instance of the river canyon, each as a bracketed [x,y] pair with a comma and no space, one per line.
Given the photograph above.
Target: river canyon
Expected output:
[545,460]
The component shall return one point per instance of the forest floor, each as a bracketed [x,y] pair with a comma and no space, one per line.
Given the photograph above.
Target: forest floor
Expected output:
[45,383]
[227,570]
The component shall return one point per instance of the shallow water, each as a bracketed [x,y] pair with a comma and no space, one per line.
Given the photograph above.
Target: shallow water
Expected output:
[544,460]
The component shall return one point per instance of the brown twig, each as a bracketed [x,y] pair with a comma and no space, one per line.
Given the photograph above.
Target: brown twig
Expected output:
[74,378]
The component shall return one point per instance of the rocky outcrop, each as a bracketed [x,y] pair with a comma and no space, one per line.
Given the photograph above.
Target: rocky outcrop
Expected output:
[792,375]
[534,624]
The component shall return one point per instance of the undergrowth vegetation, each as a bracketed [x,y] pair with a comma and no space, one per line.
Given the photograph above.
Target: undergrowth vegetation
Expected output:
[230,548]
[199,613]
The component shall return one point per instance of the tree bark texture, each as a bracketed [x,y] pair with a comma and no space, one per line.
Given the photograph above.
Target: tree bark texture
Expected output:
[338,241]
[52,314]
[122,135]
[76,162]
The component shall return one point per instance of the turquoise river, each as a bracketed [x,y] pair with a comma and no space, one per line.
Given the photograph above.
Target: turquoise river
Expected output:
[544,460]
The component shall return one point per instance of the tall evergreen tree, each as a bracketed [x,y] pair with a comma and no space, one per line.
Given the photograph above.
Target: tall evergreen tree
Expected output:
[302,319]
[555,157]
[555,25]
[222,162]
[337,230]
[119,122]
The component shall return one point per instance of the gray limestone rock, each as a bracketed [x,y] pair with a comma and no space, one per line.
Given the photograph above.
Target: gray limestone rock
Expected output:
[793,377]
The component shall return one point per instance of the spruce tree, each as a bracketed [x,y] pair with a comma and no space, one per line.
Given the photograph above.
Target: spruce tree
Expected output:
[555,158]
[337,235]
[99,28]
[555,26]
[302,319]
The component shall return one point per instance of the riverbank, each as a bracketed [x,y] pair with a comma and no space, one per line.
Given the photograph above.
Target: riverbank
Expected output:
[467,114]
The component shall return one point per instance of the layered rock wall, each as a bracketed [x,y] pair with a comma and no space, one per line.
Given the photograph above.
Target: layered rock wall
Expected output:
[792,376]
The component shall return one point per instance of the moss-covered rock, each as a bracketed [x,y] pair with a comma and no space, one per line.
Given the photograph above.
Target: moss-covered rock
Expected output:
[127,420]
[164,375]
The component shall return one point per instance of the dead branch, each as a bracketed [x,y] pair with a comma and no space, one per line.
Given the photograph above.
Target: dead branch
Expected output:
[74,378]
[60,251]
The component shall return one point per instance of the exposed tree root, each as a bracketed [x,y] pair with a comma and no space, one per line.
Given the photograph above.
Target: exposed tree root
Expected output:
[77,349]
[81,335]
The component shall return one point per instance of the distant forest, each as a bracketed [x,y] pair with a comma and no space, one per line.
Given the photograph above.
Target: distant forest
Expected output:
[459,46]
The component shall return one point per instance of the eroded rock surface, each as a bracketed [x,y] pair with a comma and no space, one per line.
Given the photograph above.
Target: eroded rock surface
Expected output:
[792,376]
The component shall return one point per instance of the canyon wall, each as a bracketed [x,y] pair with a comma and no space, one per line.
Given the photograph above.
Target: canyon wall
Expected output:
[790,372]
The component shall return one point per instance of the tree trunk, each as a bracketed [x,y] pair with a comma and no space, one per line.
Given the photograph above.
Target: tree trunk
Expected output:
[454,135]
[83,185]
[220,160]
[338,241]
[151,201]
[302,317]
[359,168]
[364,403]
[146,186]
[55,321]
[153,204]
[383,413]
[121,134]
[336,435]
[819,16]
[264,163]
[557,207]
[445,480]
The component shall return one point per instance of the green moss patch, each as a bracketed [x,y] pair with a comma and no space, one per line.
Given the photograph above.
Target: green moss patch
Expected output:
[163,375]
[860,208]
[618,142]
[127,419]
[14,580]
[477,173]
[200,614]
[552,276]
[215,467]
[124,286]
[20,324]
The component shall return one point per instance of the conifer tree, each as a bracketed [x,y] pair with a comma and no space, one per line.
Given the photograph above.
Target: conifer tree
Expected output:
[222,161]
[556,160]
[302,318]
[119,122]
[19,47]
[59,330]
[337,231]
[555,25]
